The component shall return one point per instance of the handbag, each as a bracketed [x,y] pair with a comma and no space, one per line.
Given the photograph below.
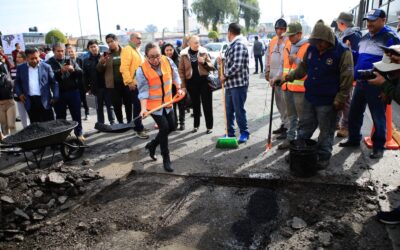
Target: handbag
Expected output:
[213,81]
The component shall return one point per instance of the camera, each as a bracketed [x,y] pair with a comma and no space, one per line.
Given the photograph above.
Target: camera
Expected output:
[105,53]
[367,74]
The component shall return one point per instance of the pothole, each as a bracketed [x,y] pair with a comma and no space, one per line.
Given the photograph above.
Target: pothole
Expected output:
[221,213]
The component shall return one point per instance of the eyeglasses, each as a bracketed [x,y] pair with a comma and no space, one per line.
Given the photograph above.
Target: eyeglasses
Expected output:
[154,57]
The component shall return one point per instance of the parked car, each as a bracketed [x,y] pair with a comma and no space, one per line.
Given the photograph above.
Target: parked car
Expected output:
[103,48]
[215,49]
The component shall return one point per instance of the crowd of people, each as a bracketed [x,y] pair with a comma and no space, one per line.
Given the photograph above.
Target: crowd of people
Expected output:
[325,82]
[319,83]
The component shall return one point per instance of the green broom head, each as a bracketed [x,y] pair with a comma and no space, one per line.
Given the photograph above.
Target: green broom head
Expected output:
[227,142]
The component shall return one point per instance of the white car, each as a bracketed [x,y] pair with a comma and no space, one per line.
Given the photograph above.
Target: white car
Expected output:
[215,49]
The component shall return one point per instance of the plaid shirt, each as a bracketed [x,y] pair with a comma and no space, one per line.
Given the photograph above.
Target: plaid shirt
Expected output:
[236,64]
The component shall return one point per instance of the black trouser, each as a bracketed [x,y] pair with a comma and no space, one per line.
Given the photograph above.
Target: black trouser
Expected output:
[200,93]
[103,97]
[259,59]
[137,107]
[37,113]
[181,107]
[82,93]
[166,124]
[121,94]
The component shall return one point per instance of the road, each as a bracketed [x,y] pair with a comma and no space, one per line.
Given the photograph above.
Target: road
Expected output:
[216,198]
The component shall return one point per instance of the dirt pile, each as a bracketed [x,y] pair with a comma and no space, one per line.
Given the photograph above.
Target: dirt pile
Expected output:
[27,198]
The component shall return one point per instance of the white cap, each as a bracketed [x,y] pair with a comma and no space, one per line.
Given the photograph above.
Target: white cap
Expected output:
[386,64]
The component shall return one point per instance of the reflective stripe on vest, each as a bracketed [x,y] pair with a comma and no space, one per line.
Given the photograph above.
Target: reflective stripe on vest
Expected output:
[296,85]
[160,87]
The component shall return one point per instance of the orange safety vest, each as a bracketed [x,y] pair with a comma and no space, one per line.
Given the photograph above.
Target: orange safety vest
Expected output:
[296,85]
[272,45]
[160,87]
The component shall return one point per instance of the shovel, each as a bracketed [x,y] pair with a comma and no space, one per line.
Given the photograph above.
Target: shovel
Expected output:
[122,127]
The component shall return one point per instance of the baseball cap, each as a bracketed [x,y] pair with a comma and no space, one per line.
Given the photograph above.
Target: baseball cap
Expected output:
[386,64]
[374,14]
[293,29]
[346,18]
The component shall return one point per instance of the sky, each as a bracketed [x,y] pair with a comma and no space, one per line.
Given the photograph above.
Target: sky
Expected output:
[18,15]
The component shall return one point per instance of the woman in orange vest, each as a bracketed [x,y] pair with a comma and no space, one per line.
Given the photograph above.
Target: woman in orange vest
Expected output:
[154,80]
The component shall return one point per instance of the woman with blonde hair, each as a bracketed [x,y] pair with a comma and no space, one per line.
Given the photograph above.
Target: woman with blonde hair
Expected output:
[194,67]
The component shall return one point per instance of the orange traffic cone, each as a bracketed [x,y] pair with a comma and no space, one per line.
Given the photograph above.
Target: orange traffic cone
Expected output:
[390,142]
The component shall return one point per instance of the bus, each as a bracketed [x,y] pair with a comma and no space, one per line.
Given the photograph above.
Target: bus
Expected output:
[391,7]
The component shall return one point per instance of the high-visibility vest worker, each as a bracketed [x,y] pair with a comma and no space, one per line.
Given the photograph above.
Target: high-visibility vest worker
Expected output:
[160,87]
[272,44]
[296,85]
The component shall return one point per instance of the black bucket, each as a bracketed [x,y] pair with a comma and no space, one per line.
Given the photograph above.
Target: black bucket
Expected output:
[303,157]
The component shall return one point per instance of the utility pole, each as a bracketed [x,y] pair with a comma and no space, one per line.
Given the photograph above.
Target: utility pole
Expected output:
[185,17]
[98,20]
[79,16]
[281,8]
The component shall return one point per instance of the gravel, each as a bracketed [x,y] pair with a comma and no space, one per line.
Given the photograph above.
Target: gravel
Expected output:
[38,130]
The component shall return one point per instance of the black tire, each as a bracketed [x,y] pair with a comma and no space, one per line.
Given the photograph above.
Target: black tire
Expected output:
[71,153]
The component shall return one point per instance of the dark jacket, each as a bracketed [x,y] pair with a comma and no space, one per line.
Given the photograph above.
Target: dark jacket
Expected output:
[391,90]
[46,80]
[353,35]
[107,70]
[81,81]
[6,88]
[92,77]
[329,75]
[67,81]
[258,48]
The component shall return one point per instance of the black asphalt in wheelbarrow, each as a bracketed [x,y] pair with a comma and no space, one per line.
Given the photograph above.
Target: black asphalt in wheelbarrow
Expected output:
[37,136]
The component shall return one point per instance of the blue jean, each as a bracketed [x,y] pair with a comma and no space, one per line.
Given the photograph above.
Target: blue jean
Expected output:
[324,118]
[136,111]
[366,94]
[72,100]
[235,99]
[103,97]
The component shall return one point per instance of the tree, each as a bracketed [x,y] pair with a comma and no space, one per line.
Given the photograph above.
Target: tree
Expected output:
[214,12]
[250,12]
[213,35]
[55,36]
[151,28]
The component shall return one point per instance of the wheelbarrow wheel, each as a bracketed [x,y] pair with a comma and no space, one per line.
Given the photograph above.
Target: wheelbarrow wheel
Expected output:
[71,149]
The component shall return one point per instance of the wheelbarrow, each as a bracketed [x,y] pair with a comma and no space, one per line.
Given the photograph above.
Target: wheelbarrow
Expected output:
[54,134]
[119,128]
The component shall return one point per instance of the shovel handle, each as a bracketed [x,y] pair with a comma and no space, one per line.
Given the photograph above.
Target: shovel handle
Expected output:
[175,99]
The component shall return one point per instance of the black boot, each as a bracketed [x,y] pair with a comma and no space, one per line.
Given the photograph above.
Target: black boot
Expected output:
[152,150]
[167,163]
[280,130]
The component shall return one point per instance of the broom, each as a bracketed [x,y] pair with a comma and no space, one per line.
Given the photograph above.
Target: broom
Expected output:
[225,142]
[269,143]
